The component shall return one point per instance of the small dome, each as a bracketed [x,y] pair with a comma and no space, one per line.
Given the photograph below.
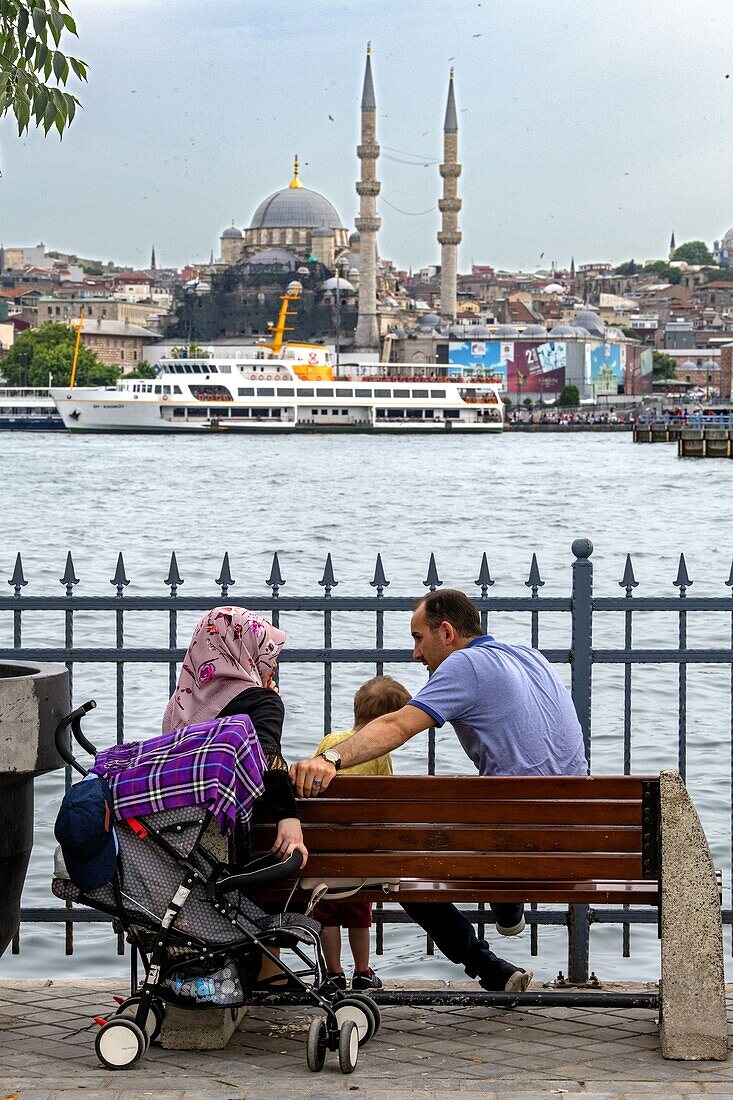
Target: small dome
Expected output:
[353,272]
[580,331]
[478,331]
[729,235]
[689,364]
[534,330]
[505,331]
[355,237]
[709,364]
[340,284]
[232,232]
[430,320]
[562,330]
[590,321]
[554,288]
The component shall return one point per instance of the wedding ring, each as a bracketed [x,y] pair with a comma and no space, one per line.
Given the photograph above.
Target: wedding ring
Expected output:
[317,783]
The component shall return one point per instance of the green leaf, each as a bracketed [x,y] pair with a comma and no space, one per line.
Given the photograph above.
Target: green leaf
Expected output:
[60,67]
[39,21]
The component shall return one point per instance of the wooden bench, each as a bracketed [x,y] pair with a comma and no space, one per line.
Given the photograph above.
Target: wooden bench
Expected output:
[564,840]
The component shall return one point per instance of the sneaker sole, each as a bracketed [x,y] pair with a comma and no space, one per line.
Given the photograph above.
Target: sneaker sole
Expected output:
[519,981]
[514,930]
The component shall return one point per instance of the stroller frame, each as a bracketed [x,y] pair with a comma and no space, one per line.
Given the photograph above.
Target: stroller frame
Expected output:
[338,1032]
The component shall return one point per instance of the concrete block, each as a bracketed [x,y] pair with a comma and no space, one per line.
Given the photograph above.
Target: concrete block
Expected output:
[692,987]
[199,1029]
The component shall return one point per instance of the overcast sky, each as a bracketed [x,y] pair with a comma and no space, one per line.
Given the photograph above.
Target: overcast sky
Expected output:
[585,128]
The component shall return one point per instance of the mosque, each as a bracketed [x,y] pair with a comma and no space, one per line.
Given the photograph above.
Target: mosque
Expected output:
[297,233]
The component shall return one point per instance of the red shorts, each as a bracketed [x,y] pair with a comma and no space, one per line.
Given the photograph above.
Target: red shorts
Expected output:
[343,914]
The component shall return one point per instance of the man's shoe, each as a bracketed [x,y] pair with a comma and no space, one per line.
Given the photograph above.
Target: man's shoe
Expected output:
[514,930]
[365,979]
[519,981]
[338,981]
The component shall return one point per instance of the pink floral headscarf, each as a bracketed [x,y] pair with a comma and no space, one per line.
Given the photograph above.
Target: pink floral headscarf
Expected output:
[232,649]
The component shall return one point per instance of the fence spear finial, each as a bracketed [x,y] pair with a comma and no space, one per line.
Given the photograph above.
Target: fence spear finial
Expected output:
[328,580]
[174,578]
[628,581]
[120,580]
[432,581]
[276,580]
[534,581]
[18,581]
[225,578]
[379,581]
[729,582]
[69,578]
[484,581]
[682,580]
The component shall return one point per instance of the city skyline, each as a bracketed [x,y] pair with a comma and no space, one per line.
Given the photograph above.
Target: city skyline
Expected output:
[582,132]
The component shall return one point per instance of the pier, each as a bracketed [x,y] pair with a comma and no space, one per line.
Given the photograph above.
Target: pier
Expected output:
[697,436]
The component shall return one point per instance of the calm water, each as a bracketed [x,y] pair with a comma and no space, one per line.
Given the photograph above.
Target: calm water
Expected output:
[403,497]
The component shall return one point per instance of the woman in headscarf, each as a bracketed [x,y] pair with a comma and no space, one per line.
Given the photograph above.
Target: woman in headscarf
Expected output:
[229,668]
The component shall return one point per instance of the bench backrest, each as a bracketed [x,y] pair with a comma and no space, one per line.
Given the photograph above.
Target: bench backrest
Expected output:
[447,828]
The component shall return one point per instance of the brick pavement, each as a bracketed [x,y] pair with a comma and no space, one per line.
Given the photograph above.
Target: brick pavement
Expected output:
[47,1053]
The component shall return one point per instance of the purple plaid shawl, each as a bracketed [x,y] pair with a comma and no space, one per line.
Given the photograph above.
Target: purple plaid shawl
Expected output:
[216,764]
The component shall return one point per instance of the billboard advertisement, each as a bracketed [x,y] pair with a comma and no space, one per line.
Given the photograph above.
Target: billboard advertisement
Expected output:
[604,367]
[537,368]
[638,372]
[479,359]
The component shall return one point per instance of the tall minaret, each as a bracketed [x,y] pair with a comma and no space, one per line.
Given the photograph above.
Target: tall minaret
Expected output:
[367,328]
[449,236]
[152,259]
[672,247]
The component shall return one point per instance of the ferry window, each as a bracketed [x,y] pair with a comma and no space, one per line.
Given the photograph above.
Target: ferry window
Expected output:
[324,412]
[344,412]
[196,412]
[166,389]
[382,393]
[345,393]
[188,368]
[176,389]
[438,393]
[429,412]
[414,412]
[212,369]
[285,391]
[314,412]
[179,412]
[452,414]
[326,392]
[381,412]
[419,393]
[266,391]
[307,391]
[246,391]
[363,393]
[224,369]
[197,368]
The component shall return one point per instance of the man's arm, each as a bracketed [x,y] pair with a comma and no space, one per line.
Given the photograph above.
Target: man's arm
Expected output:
[310,777]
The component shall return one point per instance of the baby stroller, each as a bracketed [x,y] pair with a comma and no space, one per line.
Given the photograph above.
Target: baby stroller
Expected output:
[200,936]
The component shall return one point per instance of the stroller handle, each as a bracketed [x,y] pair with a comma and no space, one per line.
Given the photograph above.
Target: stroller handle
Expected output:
[74,720]
[266,876]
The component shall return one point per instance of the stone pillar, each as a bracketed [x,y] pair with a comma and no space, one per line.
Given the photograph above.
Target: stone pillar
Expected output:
[449,236]
[692,988]
[726,371]
[367,329]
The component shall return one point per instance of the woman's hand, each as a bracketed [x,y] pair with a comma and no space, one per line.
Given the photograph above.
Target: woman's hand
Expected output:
[289,839]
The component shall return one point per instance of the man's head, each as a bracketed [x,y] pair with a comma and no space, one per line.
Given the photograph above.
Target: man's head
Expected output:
[442,622]
[378,696]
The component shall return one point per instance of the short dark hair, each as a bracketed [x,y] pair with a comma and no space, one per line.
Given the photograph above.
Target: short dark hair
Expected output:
[451,606]
[378,696]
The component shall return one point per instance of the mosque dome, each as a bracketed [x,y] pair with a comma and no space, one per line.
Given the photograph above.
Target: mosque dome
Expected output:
[728,238]
[355,237]
[562,330]
[231,231]
[295,207]
[590,321]
[274,256]
[689,364]
[479,331]
[430,320]
[554,288]
[534,330]
[340,284]
[505,331]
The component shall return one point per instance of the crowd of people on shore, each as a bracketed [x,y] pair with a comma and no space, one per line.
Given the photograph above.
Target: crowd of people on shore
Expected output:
[556,416]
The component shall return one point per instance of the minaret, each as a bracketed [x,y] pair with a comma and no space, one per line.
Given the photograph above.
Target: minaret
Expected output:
[367,329]
[672,247]
[449,236]
[152,259]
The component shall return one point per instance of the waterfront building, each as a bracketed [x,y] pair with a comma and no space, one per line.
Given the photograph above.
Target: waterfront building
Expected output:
[116,343]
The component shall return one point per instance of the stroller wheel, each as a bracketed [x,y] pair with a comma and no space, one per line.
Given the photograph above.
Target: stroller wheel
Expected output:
[316,1046]
[348,1046]
[353,1008]
[120,1043]
[155,1017]
[371,1007]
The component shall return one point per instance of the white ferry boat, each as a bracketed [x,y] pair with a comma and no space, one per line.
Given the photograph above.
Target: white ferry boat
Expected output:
[286,387]
[28,409]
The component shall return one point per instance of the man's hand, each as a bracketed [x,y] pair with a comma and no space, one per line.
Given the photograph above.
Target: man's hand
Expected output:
[310,777]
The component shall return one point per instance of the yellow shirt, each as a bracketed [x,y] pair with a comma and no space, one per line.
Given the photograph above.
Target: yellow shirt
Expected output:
[381,766]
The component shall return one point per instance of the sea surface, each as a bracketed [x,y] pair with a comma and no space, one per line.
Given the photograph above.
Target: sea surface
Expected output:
[404,497]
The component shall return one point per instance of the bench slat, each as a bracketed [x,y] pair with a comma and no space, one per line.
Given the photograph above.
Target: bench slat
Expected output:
[457,811]
[467,787]
[458,838]
[445,866]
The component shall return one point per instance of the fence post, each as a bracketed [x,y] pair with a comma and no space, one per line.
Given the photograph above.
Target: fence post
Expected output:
[581,657]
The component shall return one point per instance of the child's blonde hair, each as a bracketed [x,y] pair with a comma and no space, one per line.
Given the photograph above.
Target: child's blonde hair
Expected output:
[378,696]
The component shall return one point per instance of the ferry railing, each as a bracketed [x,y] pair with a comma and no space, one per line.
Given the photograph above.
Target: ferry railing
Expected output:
[582,605]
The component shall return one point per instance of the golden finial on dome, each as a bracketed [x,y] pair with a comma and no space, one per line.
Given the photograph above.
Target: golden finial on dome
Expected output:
[369,49]
[295,181]
[452,72]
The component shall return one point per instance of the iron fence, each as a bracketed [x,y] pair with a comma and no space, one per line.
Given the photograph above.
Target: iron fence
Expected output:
[582,605]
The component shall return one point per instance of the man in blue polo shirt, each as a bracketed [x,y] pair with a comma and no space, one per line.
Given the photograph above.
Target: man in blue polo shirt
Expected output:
[513,716]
